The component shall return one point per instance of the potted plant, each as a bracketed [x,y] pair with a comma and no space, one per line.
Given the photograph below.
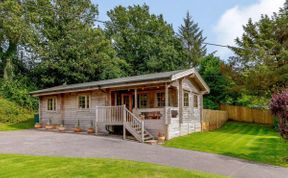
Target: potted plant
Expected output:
[161,138]
[91,130]
[49,124]
[77,126]
[38,125]
[61,128]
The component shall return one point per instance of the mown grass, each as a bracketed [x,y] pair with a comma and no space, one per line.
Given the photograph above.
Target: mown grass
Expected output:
[42,166]
[249,141]
[14,117]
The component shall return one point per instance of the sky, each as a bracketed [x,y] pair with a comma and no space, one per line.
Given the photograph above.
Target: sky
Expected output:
[221,20]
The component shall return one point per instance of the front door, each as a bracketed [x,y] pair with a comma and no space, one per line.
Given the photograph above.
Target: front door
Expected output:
[127,99]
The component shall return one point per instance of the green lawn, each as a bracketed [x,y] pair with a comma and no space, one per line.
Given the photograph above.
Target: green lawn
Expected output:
[41,166]
[17,126]
[254,142]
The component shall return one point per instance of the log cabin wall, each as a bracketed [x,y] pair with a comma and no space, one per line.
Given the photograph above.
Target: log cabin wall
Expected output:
[190,121]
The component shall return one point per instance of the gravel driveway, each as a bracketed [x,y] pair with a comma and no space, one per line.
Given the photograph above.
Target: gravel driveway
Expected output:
[35,142]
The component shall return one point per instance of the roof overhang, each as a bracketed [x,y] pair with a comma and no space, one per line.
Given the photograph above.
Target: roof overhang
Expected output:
[192,73]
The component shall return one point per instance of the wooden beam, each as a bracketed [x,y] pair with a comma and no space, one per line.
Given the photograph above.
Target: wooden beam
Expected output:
[181,103]
[135,99]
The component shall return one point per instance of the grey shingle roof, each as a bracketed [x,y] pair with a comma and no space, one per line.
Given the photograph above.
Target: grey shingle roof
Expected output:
[111,82]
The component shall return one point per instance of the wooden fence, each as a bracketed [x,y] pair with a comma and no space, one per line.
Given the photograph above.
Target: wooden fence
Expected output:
[213,119]
[244,114]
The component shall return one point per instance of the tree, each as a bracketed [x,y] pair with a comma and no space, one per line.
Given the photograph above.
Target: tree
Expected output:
[262,54]
[192,41]
[211,69]
[145,41]
[14,33]
[279,108]
[69,48]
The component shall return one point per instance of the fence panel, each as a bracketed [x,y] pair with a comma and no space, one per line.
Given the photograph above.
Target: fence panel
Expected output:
[244,114]
[213,119]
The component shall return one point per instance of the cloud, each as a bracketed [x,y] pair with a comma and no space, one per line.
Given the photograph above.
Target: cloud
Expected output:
[229,26]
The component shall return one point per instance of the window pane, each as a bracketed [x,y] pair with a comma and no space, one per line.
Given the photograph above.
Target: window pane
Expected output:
[160,99]
[82,102]
[186,99]
[87,103]
[195,101]
[143,101]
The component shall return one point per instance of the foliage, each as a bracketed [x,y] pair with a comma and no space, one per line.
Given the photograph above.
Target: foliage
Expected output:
[18,92]
[144,40]
[262,55]
[211,71]
[279,108]
[12,113]
[253,142]
[70,49]
[251,101]
[15,165]
[192,41]
[14,33]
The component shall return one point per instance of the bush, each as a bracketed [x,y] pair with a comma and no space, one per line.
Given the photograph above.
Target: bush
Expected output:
[18,91]
[279,108]
[12,113]
[209,104]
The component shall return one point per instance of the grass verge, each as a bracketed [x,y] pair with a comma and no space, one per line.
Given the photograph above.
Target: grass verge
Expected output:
[249,141]
[42,166]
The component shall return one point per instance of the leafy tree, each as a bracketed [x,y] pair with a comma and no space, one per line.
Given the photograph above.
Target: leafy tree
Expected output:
[145,41]
[69,48]
[211,69]
[14,33]
[192,40]
[262,56]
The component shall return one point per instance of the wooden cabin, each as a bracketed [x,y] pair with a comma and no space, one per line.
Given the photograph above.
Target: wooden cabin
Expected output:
[169,103]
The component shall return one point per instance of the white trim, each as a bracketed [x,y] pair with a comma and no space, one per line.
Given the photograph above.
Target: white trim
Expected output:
[192,72]
[55,106]
[85,95]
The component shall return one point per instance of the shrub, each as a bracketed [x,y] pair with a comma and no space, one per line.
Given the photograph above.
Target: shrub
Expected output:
[279,108]
[18,91]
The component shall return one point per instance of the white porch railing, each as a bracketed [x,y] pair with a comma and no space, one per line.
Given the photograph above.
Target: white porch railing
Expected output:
[109,114]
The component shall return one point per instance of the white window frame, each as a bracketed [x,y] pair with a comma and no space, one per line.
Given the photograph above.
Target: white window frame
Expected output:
[86,103]
[54,104]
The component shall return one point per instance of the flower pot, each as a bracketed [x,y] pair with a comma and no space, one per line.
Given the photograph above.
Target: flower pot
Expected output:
[77,129]
[38,126]
[90,130]
[49,126]
[61,129]
[161,139]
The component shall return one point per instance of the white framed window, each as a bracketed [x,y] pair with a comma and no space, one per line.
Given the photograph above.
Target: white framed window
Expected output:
[83,101]
[195,101]
[160,98]
[186,98]
[51,104]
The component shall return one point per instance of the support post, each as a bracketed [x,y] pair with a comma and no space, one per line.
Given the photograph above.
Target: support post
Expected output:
[96,120]
[135,99]
[166,103]
[124,121]
[142,131]
[181,104]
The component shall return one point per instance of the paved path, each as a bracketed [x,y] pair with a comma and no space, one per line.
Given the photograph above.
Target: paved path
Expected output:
[35,142]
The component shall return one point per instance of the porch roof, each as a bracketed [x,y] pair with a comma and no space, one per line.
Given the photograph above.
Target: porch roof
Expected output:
[140,79]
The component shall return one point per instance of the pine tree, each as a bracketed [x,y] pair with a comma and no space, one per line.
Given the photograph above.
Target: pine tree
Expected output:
[192,40]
